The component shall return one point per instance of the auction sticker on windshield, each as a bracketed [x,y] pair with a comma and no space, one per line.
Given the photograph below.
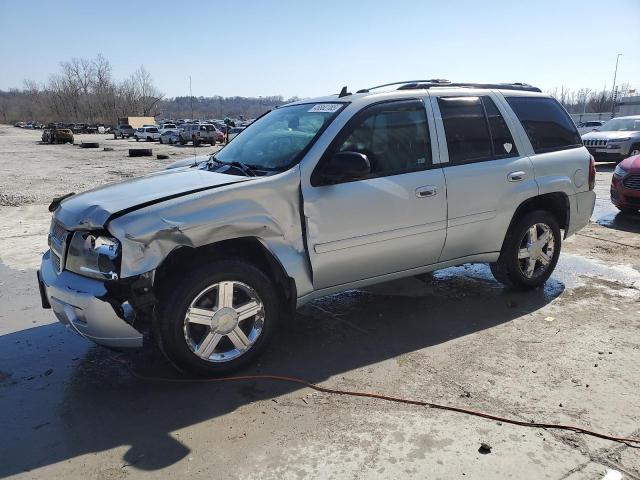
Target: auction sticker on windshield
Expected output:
[326,107]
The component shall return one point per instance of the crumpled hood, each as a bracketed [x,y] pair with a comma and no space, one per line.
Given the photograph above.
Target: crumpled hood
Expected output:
[91,209]
[614,135]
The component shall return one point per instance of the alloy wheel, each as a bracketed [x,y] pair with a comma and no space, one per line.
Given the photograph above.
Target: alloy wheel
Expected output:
[224,321]
[536,250]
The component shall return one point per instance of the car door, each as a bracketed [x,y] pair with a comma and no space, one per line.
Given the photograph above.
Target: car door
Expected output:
[487,176]
[392,220]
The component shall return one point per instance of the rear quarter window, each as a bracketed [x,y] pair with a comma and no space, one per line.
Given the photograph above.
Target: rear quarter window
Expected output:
[547,124]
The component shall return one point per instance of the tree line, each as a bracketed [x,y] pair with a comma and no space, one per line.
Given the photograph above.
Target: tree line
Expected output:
[84,91]
[586,100]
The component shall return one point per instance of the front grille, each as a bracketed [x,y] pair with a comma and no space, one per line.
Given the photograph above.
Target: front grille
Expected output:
[55,259]
[58,237]
[58,232]
[632,182]
[595,143]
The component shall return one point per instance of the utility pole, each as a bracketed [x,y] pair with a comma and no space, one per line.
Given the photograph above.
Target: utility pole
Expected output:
[613,89]
[191,95]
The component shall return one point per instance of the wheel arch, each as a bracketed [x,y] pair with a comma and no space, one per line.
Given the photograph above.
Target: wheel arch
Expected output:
[556,203]
[250,249]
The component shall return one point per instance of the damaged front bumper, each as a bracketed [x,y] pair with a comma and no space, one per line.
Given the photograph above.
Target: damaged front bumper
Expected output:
[85,305]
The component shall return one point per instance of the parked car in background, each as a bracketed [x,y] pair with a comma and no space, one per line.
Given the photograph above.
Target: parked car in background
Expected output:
[147,133]
[102,128]
[625,185]
[170,137]
[234,131]
[19,124]
[123,130]
[586,127]
[167,126]
[78,128]
[318,197]
[616,140]
[57,135]
[198,133]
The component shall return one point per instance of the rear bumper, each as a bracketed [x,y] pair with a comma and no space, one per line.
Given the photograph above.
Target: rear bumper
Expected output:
[581,208]
[81,304]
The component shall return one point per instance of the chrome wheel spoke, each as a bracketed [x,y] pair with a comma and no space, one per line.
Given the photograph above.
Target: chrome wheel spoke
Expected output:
[544,259]
[239,339]
[533,234]
[531,267]
[200,316]
[544,238]
[208,344]
[523,253]
[248,310]
[225,295]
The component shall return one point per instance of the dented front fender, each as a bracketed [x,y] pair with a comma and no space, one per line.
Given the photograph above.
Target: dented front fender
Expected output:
[267,208]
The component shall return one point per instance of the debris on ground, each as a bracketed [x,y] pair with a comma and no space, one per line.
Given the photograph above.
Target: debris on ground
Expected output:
[485,448]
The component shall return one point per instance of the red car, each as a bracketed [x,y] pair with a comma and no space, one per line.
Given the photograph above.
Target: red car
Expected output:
[625,185]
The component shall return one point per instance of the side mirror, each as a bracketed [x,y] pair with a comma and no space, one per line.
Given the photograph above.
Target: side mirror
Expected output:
[345,166]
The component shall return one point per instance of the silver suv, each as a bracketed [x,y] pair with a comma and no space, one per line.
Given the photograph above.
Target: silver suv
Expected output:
[616,140]
[317,197]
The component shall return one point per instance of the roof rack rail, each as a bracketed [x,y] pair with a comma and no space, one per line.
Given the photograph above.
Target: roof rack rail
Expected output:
[404,82]
[525,87]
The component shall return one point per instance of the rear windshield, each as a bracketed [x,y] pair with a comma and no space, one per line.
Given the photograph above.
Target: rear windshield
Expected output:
[548,126]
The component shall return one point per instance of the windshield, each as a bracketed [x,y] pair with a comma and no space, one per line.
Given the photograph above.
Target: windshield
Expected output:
[276,140]
[621,125]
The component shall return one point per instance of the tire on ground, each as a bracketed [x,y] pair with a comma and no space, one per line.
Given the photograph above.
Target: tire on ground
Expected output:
[178,296]
[89,145]
[507,270]
[140,152]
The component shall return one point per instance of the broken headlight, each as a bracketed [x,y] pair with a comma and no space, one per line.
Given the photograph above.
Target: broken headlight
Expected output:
[94,255]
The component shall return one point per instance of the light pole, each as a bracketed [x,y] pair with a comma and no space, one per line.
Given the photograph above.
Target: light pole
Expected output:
[613,90]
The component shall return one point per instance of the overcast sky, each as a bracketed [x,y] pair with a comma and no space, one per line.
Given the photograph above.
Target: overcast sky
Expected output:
[311,48]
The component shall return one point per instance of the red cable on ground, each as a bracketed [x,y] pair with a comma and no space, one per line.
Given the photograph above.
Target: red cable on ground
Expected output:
[299,381]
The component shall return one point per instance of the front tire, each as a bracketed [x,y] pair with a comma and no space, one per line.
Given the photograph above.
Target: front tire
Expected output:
[218,318]
[530,251]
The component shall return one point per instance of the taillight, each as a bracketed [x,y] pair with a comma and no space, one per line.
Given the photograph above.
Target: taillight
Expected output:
[592,172]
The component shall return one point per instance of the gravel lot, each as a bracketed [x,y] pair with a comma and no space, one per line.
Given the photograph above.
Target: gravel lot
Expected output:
[568,353]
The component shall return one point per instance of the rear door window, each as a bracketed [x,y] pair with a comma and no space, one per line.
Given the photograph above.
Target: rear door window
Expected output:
[475,130]
[466,129]
[547,124]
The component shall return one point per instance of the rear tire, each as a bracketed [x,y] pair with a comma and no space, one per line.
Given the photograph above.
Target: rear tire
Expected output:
[184,339]
[524,263]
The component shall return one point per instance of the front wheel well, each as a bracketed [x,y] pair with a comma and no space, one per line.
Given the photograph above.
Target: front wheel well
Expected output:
[249,249]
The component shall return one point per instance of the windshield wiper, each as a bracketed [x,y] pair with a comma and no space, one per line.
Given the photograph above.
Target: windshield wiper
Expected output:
[243,167]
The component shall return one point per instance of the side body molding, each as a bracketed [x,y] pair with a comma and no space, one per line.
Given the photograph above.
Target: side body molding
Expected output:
[265,208]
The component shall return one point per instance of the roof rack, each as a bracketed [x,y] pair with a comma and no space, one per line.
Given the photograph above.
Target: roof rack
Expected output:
[404,82]
[524,87]
[440,82]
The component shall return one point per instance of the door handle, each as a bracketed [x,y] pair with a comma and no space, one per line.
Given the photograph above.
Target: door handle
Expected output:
[426,191]
[516,176]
